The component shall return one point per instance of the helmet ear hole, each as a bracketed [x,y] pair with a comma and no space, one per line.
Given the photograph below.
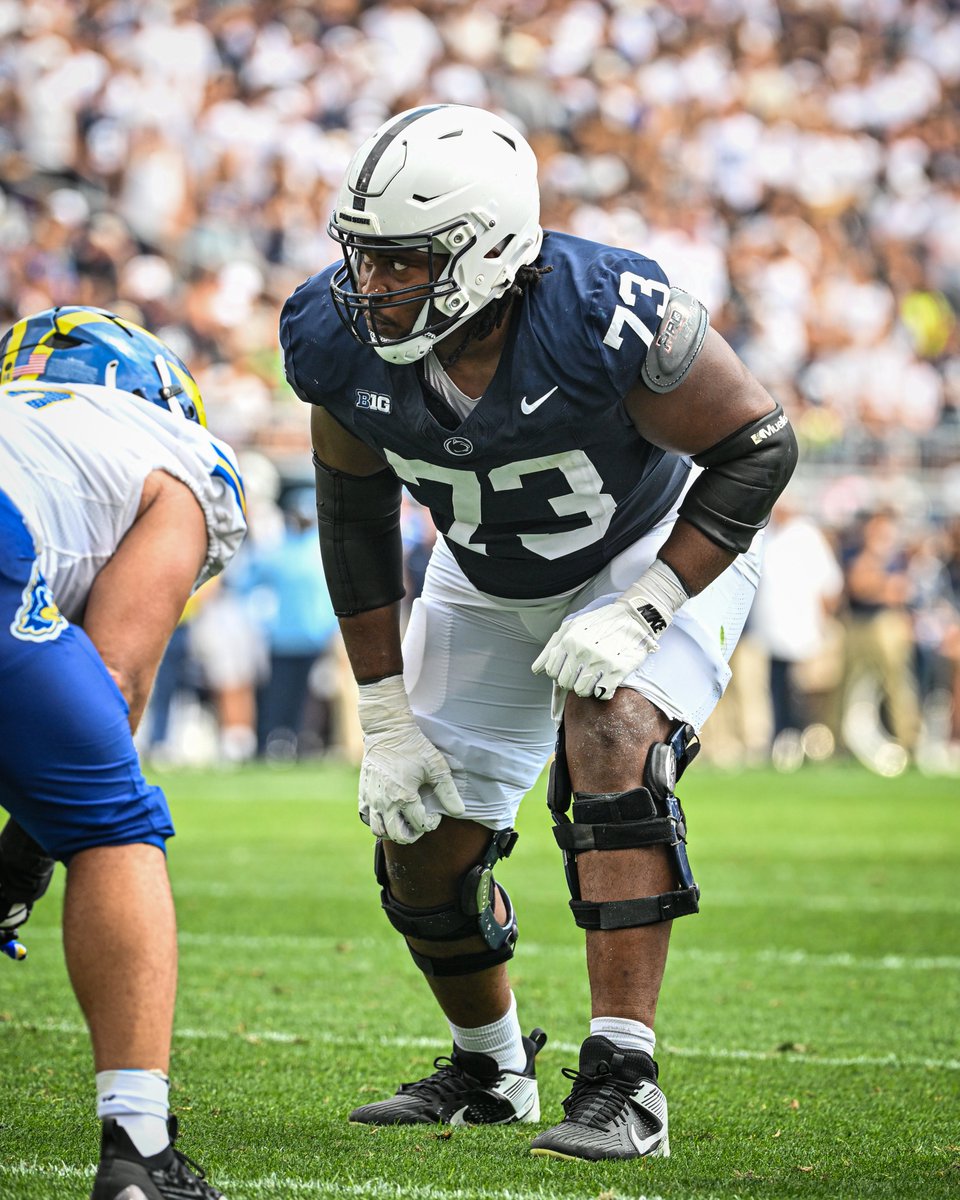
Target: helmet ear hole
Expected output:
[62,341]
[499,248]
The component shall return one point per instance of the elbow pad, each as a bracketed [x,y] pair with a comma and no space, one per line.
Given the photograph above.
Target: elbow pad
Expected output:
[359,523]
[744,475]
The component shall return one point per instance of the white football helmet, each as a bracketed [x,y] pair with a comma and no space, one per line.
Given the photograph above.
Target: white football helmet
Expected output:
[451,181]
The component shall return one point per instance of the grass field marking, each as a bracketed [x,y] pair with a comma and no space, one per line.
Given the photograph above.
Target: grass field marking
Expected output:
[767,957]
[323,1038]
[278,1185]
[803,958]
[855,902]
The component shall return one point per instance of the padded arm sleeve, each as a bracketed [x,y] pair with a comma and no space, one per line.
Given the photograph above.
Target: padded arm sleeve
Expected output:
[745,473]
[359,521]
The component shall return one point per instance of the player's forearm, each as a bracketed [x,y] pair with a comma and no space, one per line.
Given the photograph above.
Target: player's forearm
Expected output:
[372,641]
[693,557]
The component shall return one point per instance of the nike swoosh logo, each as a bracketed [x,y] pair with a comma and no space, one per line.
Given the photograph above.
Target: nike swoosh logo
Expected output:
[644,1145]
[528,407]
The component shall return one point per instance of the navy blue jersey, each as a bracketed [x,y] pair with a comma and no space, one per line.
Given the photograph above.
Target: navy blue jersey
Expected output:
[546,479]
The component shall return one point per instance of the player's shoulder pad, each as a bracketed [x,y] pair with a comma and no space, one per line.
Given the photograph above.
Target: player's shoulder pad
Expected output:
[677,343]
[309,329]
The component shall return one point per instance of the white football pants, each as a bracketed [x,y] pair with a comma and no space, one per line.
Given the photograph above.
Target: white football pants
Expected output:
[467,658]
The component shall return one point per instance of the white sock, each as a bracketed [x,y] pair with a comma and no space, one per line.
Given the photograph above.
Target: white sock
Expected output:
[625,1034]
[501,1039]
[139,1101]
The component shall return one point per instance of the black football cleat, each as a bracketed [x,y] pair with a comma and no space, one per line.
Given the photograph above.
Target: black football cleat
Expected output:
[465,1089]
[615,1110]
[125,1174]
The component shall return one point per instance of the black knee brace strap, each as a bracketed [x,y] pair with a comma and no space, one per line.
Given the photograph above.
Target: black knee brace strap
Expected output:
[645,816]
[25,867]
[472,914]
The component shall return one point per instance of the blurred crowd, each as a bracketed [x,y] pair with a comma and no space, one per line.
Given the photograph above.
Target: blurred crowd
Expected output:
[796,165]
[852,646]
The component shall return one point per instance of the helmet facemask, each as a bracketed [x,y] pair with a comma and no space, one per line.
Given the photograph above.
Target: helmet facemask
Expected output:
[438,300]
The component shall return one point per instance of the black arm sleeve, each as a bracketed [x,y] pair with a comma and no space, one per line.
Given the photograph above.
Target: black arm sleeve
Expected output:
[359,520]
[744,475]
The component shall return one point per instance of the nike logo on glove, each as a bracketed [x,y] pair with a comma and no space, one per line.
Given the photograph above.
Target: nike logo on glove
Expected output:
[528,407]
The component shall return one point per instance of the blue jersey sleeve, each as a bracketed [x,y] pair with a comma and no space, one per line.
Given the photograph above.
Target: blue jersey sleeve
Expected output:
[627,298]
[317,350]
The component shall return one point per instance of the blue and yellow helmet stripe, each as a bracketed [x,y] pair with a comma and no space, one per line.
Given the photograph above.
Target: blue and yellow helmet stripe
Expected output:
[79,344]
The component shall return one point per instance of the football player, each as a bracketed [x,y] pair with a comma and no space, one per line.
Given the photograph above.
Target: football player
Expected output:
[599,464]
[115,503]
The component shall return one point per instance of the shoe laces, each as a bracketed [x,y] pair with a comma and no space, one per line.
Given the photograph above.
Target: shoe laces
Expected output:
[595,1100]
[183,1167]
[448,1079]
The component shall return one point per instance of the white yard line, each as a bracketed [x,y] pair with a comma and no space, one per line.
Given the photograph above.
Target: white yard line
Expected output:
[324,1038]
[770,957]
[855,902]
[277,1185]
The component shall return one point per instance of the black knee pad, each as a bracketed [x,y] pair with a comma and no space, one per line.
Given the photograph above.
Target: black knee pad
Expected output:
[472,914]
[645,816]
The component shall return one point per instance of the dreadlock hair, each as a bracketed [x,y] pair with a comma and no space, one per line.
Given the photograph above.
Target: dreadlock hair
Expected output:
[492,316]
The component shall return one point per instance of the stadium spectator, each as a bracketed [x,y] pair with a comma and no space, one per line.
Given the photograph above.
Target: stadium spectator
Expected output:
[172,679]
[419,535]
[285,590]
[116,504]
[504,376]
[801,584]
[795,165]
[879,644]
[935,610]
[230,659]
[778,159]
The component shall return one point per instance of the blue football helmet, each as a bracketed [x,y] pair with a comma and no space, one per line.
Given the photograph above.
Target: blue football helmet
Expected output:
[76,344]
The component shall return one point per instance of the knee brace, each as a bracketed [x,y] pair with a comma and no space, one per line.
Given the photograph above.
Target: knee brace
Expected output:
[646,816]
[471,914]
[25,867]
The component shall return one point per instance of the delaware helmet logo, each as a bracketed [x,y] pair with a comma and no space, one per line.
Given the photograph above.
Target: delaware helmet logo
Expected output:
[460,446]
[38,619]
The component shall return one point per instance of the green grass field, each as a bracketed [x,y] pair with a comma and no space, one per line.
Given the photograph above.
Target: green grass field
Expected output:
[808,1026]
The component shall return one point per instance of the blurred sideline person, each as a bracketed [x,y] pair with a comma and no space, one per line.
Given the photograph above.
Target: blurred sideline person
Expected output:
[284,588]
[541,396]
[115,504]
[879,630]
[230,658]
[801,585]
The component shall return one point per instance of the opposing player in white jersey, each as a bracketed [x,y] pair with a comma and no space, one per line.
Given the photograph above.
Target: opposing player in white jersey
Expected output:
[115,504]
[542,395]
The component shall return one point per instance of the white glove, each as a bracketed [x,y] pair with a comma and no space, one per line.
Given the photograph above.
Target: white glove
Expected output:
[398,762]
[594,652]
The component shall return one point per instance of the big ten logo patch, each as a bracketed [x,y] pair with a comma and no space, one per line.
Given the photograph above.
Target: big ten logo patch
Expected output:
[375,401]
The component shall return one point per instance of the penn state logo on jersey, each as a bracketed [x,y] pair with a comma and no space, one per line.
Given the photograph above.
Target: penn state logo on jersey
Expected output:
[459,447]
[38,619]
